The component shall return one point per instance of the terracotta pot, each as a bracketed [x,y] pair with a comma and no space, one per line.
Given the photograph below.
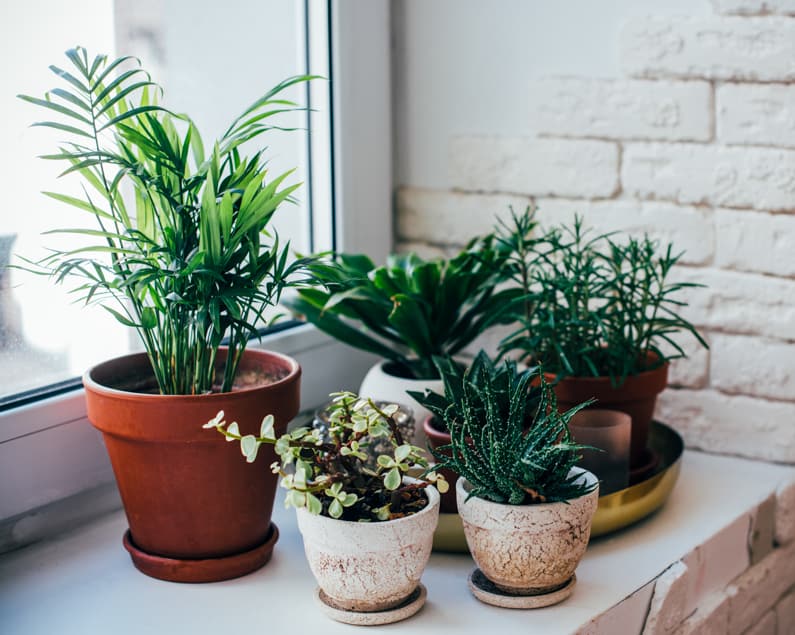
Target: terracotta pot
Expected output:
[381,384]
[437,438]
[369,566]
[527,549]
[189,496]
[637,396]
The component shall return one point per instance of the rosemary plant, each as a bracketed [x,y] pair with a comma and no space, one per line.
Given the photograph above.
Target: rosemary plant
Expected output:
[410,309]
[595,305]
[507,438]
[189,261]
[333,477]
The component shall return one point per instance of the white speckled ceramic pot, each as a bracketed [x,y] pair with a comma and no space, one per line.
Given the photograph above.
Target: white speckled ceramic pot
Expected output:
[369,566]
[527,549]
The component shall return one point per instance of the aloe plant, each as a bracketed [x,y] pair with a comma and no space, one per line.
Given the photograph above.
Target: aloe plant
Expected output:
[507,437]
[410,309]
[187,260]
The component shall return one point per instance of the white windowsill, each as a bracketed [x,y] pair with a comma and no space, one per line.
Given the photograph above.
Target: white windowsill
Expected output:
[83,582]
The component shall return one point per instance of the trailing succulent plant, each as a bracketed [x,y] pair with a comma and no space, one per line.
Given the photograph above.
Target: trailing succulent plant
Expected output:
[332,476]
[410,309]
[593,304]
[507,437]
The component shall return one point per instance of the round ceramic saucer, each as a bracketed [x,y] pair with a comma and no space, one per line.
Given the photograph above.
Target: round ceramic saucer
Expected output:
[485,591]
[409,607]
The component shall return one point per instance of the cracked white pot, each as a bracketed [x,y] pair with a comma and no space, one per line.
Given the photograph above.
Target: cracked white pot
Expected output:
[527,549]
[369,566]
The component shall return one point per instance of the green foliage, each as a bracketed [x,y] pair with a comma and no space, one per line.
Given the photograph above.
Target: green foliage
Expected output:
[507,437]
[410,309]
[334,477]
[189,260]
[593,305]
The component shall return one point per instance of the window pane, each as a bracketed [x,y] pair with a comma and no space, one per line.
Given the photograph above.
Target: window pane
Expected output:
[211,63]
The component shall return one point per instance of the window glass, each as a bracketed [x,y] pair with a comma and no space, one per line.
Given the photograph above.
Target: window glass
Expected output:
[212,63]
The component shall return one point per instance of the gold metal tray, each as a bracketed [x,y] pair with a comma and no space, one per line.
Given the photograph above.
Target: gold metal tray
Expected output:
[615,511]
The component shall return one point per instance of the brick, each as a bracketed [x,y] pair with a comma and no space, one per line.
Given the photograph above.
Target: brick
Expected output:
[691,371]
[627,616]
[785,615]
[754,366]
[758,590]
[441,217]
[735,48]
[725,424]
[739,302]
[754,7]
[785,513]
[751,241]
[622,109]
[715,563]
[765,626]
[757,178]
[756,114]
[667,608]
[763,525]
[527,165]
[690,229]
[423,250]
[711,618]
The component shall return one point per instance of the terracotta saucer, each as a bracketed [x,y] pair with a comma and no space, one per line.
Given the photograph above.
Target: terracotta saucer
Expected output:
[409,607]
[485,591]
[207,570]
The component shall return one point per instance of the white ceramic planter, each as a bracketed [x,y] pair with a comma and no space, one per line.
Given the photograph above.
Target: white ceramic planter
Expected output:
[369,566]
[527,549]
[382,386]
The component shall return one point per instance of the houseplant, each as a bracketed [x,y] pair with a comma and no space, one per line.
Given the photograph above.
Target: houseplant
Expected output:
[406,311]
[600,314]
[526,509]
[186,260]
[357,521]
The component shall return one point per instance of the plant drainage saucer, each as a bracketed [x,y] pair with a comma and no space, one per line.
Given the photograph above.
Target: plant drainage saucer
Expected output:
[409,607]
[204,570]
[485,591]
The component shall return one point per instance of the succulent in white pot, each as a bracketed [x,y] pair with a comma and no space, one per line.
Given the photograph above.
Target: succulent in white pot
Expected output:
[526,509]
[367,530]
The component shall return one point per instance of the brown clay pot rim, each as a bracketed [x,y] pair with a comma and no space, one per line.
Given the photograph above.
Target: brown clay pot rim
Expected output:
[283,360]
[433,433]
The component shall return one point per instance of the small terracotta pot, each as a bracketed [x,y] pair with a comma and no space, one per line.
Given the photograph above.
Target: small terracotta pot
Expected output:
[637,396]
[189,496]
[437,438]
[369,566]
[527,549]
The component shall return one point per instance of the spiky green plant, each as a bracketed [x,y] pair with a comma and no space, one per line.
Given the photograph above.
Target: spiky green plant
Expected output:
[189,261]
[410,309]
[507,437]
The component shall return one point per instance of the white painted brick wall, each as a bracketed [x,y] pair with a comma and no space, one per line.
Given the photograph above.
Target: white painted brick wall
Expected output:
[739,302]
[622,109]
[754,366]
[756,114]
[736,48]
[785,514]
[751,241]
[731,424]
[667,608]
[711,618]
[754,7]
[423,250]
[522,165]
[441,217]
[759,178]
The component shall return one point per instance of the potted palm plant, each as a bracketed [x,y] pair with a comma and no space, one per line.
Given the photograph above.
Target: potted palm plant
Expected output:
[357,517]
[601,315]
[526,509]
[179,251]
[407,312]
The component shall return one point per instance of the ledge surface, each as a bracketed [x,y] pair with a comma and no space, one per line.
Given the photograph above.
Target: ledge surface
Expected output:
[83,582]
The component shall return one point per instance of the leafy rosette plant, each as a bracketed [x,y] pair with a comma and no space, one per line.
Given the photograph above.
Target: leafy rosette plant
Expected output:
[511,448]
[410,309]
[331,476]
[178,246]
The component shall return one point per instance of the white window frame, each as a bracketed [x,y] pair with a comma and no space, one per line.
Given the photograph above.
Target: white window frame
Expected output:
[53,465]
